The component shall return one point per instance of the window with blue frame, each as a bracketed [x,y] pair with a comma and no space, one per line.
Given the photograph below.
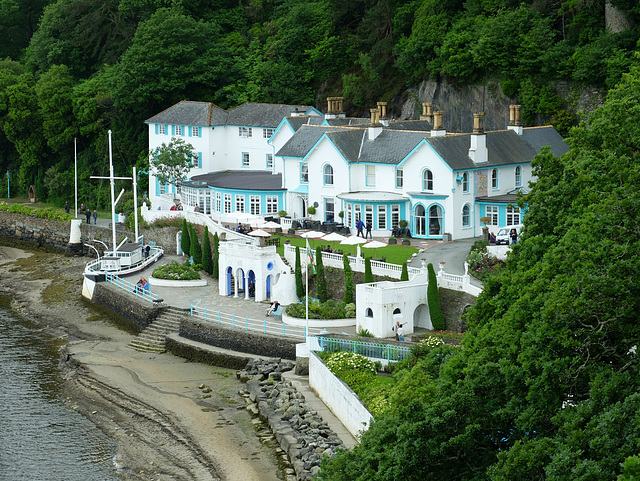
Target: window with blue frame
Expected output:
[466,215]
[427,181]
[304,172]
[399,179]
[245,159]
[328,175]
[494,179]
[371,175]
[518,176]
[329,209]
[465,182]
[162,129]
[269,161]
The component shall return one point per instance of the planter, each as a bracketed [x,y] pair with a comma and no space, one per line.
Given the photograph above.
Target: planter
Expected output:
[406,242]
[447,237]
[393,240]
[291,231]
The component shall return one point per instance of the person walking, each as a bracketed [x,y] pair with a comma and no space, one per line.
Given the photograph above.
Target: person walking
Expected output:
[95,217]
[368,227]
[87,214]
[360,227]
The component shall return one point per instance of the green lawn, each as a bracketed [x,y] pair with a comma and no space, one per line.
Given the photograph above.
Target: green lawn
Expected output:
[395,254]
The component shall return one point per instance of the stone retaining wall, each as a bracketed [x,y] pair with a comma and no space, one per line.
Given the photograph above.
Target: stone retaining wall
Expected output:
[238,340]
[138,312]
[47,232]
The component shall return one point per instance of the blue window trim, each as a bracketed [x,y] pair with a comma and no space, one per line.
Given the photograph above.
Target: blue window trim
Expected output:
[518,176]
[468,225]
[266,161]
[242,160]
[425,182]
[396,181]
[497,179]
[302,181]
[324,174]
[199,160]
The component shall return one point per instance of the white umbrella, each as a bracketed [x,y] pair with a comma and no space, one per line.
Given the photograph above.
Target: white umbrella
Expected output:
[270,225]
[374,245]
[354,240]
[312,234]
[259,222]
[259,233]
[333,237]
[238,217]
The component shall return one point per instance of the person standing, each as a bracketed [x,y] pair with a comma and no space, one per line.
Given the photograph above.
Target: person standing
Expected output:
[399,331]
[514,236]
[87,214]
[67,207]
[360,227]
[196,208]
[368,227]
[95,217]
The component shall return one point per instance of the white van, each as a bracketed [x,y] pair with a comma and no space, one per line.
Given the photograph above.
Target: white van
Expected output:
[503,235]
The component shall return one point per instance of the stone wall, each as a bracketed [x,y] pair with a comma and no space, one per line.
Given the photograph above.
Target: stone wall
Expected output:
[131,308]
[47,232]
[239,340]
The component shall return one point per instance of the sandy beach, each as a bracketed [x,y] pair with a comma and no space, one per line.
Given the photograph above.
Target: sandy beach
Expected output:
[170,419]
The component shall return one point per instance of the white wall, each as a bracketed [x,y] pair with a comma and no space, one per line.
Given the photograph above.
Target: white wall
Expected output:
[338,397]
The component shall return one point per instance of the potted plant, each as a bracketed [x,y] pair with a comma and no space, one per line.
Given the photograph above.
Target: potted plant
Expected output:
[447,237]
[311,210]
[485,230]
[393,240]
[406,242]
[341,215]
[403,223]
[282,213]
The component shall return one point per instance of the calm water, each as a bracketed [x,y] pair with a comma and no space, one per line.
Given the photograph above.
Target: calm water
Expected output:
[40,437]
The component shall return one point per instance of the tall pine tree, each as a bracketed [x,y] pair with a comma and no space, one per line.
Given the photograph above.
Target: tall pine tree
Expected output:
[433,300]
[207,260]
[216,255]
[185,241]
[321,280]
[196,250]
[348,280]
[368,274]
[298,274]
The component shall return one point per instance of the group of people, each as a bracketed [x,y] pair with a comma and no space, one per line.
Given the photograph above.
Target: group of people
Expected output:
[242,229]
[176,207]
[361,227]
[143,284]
[83,211]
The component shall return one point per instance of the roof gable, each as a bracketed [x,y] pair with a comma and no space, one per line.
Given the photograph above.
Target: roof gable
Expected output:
[188,112]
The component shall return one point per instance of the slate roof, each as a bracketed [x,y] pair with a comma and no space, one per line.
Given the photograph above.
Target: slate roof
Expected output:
[303,141]
[505,147]
[539,137]
[241,180]
[262,115]
[421,125]
[297,122]
[191,113]
[390,147]
[188,112]
[348,121]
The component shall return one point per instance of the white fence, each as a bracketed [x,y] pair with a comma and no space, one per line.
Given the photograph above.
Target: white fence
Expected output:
[357,263]
[457,283]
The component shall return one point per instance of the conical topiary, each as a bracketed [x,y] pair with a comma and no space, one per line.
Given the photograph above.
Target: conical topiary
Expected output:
[207,259]
[433,300]
[185,241]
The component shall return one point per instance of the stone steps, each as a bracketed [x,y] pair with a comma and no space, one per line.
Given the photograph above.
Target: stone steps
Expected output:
[153,337]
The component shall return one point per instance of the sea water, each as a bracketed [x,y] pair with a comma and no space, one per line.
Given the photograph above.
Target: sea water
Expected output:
[41,437]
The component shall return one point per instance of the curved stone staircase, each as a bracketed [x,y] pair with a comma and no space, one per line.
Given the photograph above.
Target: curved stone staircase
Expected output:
[153,337]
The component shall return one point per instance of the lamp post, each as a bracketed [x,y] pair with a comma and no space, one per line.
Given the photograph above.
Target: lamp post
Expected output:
[8,185]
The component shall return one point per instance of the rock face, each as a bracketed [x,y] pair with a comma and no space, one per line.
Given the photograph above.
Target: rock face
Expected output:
[300,431]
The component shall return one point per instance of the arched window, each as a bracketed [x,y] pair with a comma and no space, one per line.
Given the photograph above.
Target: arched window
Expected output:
[518,177]
[368,312]
[419,212]
[465,182]
[427,180]
[396,311]
[466,215]
[435,220]
[494,179]
[328,175]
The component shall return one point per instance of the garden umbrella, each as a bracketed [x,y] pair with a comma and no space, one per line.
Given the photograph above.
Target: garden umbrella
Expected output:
[270,225]
[333,237]
[259,233]
[354,240]
[374,245]
[312,234]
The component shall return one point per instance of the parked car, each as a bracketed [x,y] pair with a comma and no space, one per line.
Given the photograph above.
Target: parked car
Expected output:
[503,236]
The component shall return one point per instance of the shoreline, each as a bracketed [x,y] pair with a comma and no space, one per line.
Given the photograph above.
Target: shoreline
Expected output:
[164,424]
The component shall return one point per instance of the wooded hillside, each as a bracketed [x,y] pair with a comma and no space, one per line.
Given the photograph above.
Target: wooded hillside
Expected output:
[75,68]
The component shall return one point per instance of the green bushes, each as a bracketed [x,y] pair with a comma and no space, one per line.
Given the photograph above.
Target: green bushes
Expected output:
[433,299]
[177,271]
[481,264]
[298,274]
[207,259]
[348,280]
[46,213]
[323,310]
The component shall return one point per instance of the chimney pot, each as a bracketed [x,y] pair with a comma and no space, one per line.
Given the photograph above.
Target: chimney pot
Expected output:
[478,127]
[382,106]
[517,109]
[437,120]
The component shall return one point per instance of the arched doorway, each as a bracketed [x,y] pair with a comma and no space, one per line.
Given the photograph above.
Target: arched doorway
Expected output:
[252,284]
[421,317]
[230,283]
[240,281]
[435,220]
[419,214]
[269,286]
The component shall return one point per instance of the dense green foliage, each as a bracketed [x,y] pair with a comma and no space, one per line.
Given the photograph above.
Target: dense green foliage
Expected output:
[216,254]
[547,385]
[368,273]
[321,280]
[195,250]
[177,272]
[322,310]
[185,241]
[433,300]
[75,68]
[207,258]
[348,280]
[298,273]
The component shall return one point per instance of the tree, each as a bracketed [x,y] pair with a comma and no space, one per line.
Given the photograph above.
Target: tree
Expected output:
[207,260]
[195,249]
[172,162]
[298,273]
[433,300]
[185,241]
[321,280]
[404,275]
[216,255]
[368,274]
[55,91]
[348,280]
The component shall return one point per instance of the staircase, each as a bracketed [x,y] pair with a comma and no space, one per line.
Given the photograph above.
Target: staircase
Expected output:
[153,337]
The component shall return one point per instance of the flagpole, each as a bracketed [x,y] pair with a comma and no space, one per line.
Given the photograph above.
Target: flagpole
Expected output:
[306,298]
[75,169]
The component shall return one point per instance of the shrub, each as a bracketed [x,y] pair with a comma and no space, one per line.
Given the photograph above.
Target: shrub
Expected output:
[185,241]
[350,310]
[216,253]
[368,273]
[196,250]
[298,274]
[322,310]
[404,275]
[433,300]
[364,333]
[321,280]
[207,259]
[344,361]
[348,281]
[177,271]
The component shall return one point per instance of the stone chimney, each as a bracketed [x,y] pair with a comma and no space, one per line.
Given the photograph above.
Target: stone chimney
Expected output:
[375,128]
[437,130]
[427,114]
[515,123]
[382,109]
[478,150]
[334,108]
